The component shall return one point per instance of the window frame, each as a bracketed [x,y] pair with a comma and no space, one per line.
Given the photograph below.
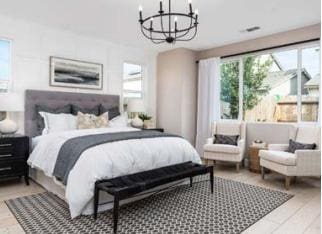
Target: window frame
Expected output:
[299,48]
[142,77]
[10,81]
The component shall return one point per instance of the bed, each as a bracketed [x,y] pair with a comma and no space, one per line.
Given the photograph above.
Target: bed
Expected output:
[105,160]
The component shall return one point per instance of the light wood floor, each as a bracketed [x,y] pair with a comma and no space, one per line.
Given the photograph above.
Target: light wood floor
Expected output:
[301,214]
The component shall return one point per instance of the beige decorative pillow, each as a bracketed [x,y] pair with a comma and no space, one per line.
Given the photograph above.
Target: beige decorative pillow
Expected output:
[87,121]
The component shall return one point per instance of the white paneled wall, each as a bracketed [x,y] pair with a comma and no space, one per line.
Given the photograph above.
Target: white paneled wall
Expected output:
[33,44]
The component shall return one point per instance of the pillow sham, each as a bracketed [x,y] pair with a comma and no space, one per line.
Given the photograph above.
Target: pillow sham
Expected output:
[86,110]
[112,111]
[293,146]
[225,139]
[88,121]
[119,121]
[42,108]
[58,122]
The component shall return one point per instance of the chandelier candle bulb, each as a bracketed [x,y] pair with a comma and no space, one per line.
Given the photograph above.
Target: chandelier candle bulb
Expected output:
[161,7]
[190,6]
[196,14]
[151,24]
[140,12]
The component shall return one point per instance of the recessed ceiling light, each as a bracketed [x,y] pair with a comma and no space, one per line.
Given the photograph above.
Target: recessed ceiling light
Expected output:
[251,29]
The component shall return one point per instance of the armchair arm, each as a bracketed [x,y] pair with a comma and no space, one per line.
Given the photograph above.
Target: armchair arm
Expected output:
[210,140]
[308,162]
[241,145]
[278,147]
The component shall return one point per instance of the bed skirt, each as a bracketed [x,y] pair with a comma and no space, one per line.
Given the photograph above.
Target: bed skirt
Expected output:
[106,200]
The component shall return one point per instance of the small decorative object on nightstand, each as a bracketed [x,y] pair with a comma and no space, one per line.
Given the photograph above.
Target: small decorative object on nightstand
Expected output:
[253,156]
[14,152]
[259,143]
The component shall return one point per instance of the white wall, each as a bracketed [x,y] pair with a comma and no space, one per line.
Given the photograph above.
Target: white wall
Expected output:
[33,44]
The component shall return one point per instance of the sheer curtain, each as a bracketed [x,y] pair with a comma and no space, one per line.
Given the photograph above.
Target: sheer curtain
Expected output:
[208,99]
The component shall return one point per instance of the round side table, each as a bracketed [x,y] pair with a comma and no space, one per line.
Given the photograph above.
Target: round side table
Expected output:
[254,158]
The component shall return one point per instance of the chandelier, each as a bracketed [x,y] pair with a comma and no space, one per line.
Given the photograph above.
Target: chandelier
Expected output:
[163,27]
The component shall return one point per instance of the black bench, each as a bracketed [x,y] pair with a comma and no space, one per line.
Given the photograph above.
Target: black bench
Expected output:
[124,187]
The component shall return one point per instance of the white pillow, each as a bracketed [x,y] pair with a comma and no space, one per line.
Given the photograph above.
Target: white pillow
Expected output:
[58,122]
[119,121]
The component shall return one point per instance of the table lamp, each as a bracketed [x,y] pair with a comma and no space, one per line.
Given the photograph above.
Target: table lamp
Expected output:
[10,102]
[136,106]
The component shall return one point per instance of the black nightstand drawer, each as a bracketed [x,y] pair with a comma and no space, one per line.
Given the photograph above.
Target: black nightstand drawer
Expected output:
[14,152]
[13,147]
[12,168]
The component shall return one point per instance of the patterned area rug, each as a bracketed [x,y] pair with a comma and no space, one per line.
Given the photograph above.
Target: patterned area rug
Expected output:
[232,208]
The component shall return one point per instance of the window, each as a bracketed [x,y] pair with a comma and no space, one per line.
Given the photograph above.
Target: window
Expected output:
[270,87]
[279,86]
[229,94]
[5,57]
[132,82]
[310,80]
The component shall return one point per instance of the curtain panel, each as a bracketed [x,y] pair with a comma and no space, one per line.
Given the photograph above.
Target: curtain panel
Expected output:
[208,100]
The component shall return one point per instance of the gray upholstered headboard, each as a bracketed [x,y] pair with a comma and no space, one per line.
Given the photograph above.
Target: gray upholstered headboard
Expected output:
[60,99]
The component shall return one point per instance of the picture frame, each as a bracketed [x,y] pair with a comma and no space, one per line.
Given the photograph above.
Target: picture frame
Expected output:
[72,73]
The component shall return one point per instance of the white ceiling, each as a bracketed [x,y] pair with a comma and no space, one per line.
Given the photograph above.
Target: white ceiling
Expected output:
[116,20]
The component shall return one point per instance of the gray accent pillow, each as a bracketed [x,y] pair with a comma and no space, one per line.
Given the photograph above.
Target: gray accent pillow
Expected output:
[88,110]
[42,108]
[112,111]
[225,139]
[293,146]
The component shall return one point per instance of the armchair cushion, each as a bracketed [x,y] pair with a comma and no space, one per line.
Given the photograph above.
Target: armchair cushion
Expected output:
[293,146]
[226,139]
[281,157]
[308,134]
[221,148]
[228,128]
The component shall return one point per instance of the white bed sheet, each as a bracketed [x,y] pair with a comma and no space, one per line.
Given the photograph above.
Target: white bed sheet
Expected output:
[106,161]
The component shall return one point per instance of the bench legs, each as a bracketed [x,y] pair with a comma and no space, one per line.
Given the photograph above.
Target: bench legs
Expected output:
[96,199]
[210,170]
[115,213]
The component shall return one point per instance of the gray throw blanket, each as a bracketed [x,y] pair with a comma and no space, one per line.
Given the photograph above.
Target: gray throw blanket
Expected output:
[72,149]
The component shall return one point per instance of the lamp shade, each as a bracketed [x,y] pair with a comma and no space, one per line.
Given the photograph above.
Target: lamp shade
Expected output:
[11,102]
[136,105]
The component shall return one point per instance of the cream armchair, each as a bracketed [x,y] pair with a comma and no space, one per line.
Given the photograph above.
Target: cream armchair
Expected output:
[301,163]
[228,153]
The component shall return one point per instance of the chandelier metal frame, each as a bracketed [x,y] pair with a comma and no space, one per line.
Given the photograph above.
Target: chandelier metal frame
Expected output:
[170,34]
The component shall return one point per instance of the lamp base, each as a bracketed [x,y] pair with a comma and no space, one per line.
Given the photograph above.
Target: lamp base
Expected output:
[8,126]
[137,122]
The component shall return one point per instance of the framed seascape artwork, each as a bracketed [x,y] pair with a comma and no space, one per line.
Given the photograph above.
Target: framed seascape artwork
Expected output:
[75,73]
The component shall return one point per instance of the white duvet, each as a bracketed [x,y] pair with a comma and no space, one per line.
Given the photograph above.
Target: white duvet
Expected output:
[107,160]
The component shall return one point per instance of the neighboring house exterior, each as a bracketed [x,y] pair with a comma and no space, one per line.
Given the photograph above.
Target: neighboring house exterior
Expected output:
[312,86]
[283,83]
[280,104]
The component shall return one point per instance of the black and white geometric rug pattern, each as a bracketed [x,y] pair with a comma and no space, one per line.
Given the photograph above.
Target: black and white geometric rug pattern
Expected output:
[232,208]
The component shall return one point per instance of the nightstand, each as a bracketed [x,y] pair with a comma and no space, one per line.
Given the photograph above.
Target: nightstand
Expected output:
[14,152]
[154,129]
